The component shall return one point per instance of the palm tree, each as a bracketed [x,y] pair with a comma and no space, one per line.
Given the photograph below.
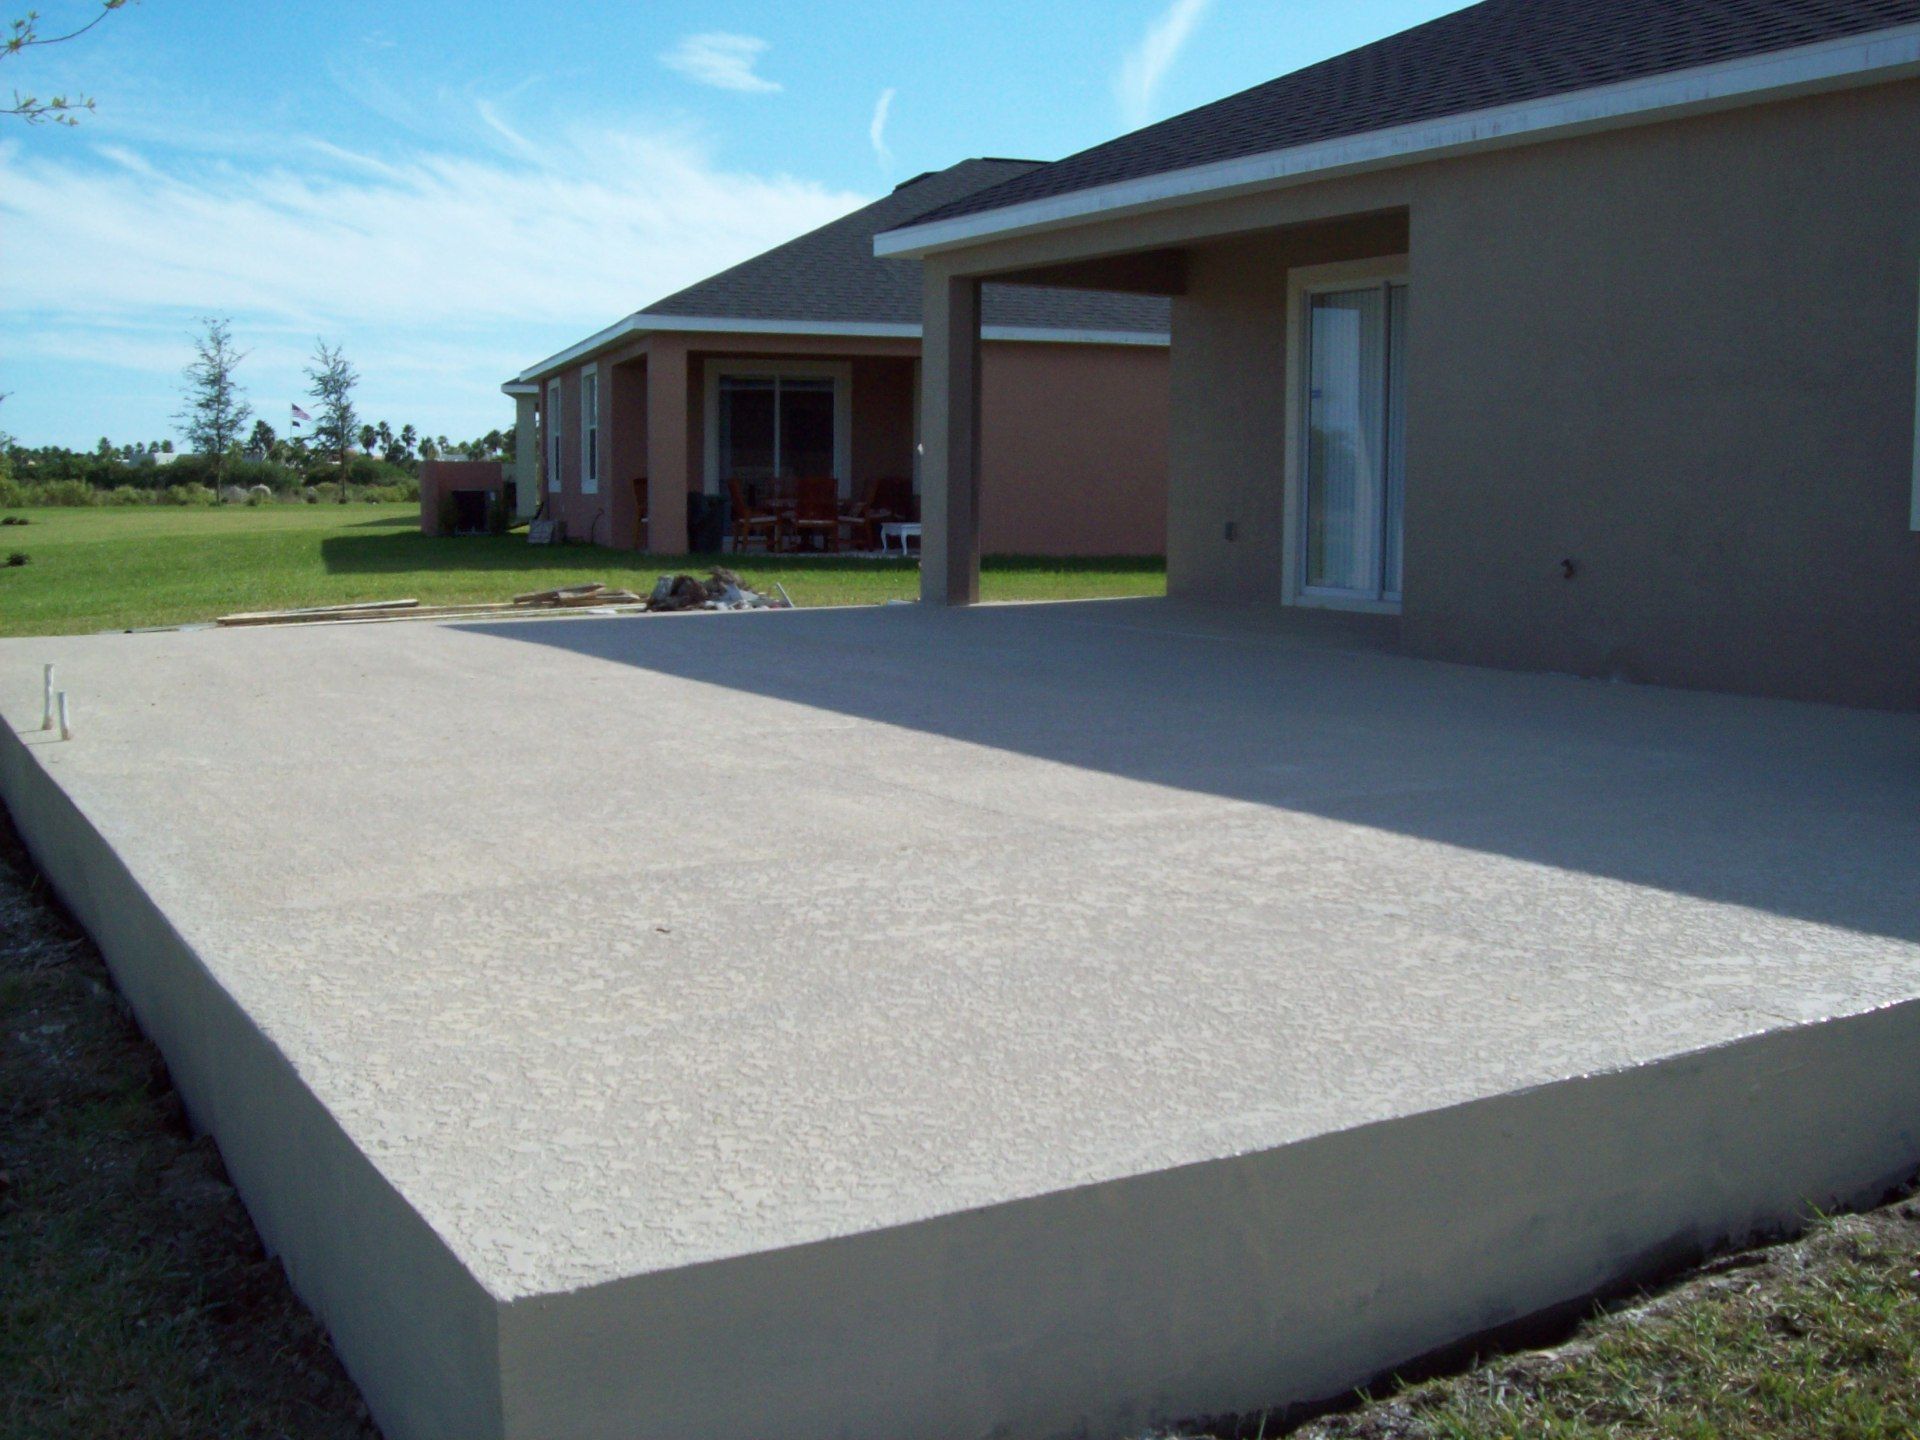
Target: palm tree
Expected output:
[408,438]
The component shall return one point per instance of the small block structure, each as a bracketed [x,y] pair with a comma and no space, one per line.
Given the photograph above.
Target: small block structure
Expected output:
[456,496]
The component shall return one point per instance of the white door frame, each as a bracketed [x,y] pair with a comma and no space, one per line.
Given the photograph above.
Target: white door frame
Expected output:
[1303,283]
[839,371]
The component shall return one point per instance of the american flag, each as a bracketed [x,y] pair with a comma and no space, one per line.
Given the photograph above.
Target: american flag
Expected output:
[299,415]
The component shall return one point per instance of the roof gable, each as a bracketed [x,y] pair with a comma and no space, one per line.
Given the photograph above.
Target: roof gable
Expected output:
[831,275]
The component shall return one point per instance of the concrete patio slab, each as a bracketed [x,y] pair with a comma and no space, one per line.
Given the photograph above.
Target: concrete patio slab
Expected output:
[1032,1020]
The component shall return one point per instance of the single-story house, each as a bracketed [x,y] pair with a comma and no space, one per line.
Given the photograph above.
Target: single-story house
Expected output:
[804,361]
[1572,336]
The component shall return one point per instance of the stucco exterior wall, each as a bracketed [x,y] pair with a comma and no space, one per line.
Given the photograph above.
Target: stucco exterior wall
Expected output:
[1074,442]
[1681,356]
[1073,449]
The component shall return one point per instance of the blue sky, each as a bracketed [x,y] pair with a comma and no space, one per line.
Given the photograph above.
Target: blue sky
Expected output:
[454,190]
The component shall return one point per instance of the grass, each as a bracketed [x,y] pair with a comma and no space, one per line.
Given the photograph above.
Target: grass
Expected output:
[1819,1337]
[109,569]
[135,1298]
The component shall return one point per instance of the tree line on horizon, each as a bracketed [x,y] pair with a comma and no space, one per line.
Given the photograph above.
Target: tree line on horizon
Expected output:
[213,421]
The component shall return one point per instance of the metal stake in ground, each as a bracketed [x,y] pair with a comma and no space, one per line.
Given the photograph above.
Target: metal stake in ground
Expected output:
[46,701]
[66,724]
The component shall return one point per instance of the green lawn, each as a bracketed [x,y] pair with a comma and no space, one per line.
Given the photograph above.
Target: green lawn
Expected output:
[107,569]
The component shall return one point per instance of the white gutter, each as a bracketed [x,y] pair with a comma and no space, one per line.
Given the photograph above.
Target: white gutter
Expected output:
[1807,69]
[642,323]
[516,387]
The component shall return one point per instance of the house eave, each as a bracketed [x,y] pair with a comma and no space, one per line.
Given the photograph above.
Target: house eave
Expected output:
[642,323]
[1874,58]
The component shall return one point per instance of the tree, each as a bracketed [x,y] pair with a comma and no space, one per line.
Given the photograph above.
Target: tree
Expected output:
[332,391]
[262,440]
[166,447]
[368,438]
[409,437]
[216,411]
[23,35]
[428,450]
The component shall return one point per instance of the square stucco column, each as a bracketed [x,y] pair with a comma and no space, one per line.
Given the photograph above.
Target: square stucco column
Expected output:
[950,435]
[669,462]
[526,452]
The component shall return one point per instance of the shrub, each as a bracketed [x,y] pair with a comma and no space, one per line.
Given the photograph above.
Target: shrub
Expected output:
[62,492]
[15,520]
[12,492]
[126,495]
[18,557]
[187,495]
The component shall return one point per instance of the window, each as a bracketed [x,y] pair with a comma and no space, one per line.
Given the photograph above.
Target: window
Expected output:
[589,431]
[1347,424]
[777,420]
[551,419]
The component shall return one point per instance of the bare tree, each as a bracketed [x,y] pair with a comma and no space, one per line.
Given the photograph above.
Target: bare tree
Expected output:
[332,390]
[216,411]
[25,35]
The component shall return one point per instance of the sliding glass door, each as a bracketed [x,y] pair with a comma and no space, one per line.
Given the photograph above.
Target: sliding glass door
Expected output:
[1354,470]
[775,426]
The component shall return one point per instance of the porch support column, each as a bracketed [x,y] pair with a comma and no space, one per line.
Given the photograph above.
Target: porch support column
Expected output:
[526,451]
[950,437]
[668,460]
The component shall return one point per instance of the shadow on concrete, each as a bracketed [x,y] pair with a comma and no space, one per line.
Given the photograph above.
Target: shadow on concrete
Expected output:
[1801,810]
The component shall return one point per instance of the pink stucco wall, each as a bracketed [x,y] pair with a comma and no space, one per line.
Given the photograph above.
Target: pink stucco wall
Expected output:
[1073,449]
[1073,437]
[439,478]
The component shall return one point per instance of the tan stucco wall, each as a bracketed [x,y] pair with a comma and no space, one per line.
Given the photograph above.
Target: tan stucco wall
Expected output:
[1681,356]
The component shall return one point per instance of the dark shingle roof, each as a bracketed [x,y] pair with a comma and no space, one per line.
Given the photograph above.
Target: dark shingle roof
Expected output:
[1500,52]
[832,275]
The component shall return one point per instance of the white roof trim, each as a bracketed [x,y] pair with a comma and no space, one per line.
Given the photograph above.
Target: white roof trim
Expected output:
[518,387]
[642,323]
[1878,56]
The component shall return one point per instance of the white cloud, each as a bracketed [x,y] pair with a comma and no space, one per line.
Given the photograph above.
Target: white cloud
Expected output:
[721,60]
[1143,67]
[443,272]
[877,127]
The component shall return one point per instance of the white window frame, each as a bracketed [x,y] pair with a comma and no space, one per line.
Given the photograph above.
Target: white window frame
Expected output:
[748,366]
[555,397]
[591,450]
[1303,283]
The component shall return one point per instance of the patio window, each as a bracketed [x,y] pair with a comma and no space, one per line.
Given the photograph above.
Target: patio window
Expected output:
[1349,425]
[777,423]
[551,419]
[589,431]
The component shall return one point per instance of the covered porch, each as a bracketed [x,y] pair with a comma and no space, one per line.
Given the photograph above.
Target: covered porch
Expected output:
[1291,358]
[674,416]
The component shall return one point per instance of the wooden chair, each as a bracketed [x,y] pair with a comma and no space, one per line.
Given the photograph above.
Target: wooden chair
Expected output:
[748,522]
[863,520]
[816,510]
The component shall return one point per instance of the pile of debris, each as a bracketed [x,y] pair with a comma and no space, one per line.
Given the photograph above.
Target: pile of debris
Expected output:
[721,590]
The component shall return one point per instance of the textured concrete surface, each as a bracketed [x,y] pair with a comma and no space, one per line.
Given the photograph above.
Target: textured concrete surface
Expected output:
[901,941]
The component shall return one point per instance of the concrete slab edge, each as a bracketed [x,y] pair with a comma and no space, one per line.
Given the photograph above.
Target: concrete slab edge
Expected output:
[416,1332]
[1292,1274]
